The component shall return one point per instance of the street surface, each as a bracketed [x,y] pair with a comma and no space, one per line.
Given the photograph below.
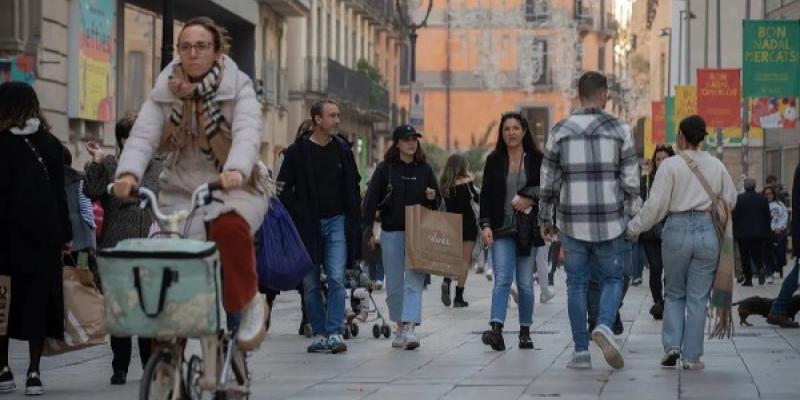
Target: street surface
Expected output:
[761,362]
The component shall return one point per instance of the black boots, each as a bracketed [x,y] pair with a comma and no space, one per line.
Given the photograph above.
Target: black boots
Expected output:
[494,337]
[525,341]
[446,292]
[459,300]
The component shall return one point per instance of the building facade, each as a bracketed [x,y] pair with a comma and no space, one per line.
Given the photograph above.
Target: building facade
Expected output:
[476,60]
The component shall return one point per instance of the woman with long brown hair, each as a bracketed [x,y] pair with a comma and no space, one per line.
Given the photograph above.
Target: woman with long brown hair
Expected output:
[459,192]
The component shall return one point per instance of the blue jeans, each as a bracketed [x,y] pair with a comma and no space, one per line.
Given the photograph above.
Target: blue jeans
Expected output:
[593,296]
[327,319]
[788,288]
[690,249]
[637,261]
[506,265]
[403,286]
[581,259]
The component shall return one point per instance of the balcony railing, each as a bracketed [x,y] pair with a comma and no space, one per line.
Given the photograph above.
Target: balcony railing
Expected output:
[351,87]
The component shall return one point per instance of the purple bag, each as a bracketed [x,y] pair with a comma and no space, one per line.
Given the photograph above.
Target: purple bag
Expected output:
[282,259]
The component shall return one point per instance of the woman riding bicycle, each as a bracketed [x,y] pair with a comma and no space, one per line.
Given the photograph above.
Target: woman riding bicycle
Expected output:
[204,116]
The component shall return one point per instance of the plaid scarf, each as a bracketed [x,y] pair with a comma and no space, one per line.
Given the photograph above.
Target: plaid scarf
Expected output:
[214,133]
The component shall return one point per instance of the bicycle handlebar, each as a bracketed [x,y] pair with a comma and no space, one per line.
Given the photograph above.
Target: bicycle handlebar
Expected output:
[147,198]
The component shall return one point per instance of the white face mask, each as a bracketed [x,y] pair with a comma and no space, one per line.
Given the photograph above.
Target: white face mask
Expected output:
[31,126]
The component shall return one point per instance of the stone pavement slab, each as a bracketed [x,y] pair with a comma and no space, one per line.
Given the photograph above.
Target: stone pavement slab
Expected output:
[761,362]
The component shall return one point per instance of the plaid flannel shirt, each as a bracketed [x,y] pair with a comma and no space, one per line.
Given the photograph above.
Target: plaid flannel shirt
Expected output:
[590,173]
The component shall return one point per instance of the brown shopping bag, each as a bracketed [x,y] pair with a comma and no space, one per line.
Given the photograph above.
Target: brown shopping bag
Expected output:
[5,303]
[84,311]
[433,242]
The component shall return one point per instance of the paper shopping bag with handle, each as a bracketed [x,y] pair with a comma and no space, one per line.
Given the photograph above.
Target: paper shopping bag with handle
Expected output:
[5,303]
[433,242]
[84,314]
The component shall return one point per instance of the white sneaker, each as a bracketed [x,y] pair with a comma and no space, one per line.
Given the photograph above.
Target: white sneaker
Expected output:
[580,360]
[770,279]
[412,340]
[378,285]
[694,365]
[603,337]
[489,274]
[251,328]
[546,294]
[399,336]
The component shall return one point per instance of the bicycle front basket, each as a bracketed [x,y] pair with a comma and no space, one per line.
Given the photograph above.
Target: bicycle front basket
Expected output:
[161,288]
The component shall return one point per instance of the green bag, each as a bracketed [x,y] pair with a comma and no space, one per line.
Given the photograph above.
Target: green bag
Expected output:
[161,288]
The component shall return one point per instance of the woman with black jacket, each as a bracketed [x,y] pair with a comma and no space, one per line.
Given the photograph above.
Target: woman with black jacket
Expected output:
[403,179]
[459,192]
[508,197]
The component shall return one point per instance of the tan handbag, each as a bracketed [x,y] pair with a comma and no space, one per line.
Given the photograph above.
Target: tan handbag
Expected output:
[84,314]
[433,242]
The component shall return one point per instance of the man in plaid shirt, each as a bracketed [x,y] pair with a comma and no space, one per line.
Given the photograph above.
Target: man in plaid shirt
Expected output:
[591,172]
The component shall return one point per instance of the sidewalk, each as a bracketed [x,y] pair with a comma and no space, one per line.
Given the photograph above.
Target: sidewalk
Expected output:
[761,362]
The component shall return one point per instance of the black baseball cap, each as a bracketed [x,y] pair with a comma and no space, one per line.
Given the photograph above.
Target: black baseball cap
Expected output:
[404,132]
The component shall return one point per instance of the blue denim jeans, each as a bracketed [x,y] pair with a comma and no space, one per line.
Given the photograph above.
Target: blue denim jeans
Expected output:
[403,287]
[506,265]
[637,260]
[690,249]
[593,296]
[327,319]
[581,259]
[788,288]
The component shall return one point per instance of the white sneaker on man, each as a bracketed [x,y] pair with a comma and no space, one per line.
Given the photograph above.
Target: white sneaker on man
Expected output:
[412,340]
[546,294]
[252,329]
[399,336]
[603,337]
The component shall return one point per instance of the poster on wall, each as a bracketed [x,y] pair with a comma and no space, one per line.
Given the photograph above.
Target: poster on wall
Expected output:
[771,58]
[773,113]
[17,67]
[657,123]
[719,97]
[91,57]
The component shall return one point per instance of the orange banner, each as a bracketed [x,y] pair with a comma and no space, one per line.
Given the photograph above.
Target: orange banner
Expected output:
[718,97]
[659,127]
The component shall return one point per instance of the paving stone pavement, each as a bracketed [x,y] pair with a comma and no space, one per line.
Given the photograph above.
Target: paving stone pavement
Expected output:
[761,362]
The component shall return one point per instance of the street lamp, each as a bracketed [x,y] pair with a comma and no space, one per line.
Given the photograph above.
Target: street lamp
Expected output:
[667,32]
[411,26]
[683,15]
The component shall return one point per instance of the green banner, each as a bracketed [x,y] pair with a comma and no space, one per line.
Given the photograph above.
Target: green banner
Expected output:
[669,119]
[771,58]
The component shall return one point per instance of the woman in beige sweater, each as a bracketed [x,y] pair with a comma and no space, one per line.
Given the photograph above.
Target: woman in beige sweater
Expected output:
[690,247]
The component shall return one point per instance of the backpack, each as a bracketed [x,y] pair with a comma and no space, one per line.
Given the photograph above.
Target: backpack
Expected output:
[282,260]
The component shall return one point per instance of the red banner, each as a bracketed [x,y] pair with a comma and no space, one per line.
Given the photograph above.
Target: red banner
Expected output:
[718,97]
[659,124]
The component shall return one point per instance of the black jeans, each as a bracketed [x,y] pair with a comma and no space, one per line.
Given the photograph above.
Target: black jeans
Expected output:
[122,347]
[652,250]
[752,251]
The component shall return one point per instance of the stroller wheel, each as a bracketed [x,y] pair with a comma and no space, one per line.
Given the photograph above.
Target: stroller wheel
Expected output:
[386,330]
[346,332]
[376,331]
[354,329]
[307,331]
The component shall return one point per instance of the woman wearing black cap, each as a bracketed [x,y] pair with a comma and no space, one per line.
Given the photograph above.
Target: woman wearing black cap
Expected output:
[403,179]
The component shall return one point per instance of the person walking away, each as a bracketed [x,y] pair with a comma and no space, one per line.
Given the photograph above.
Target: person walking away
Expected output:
[459,193]
[34,229]
[751,229]
[778,315]
[122,219]
[81,216]
[691,247]
[204,115]
[320,188]
[404,178]
[590,167]
[510,192]
[651,240]
[775,251]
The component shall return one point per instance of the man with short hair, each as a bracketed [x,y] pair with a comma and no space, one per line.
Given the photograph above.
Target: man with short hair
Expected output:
[751,230]
[591,171]
[319,185]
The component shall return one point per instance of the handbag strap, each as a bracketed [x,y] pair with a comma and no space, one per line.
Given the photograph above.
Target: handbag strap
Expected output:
[38,157]
[166,281]
[703,181]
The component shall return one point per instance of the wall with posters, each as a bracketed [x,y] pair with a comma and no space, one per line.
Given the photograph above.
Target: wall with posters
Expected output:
[92,34]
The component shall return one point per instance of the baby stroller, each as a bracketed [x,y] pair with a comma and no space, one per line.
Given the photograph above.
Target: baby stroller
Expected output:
[360,286]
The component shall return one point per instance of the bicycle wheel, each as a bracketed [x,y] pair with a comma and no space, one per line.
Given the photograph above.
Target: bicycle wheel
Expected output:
[194,371]
[158,378]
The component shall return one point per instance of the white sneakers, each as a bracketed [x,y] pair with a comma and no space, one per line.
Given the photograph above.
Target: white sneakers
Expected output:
[603,337]
[399,336]
[412,340]
[546,294]
[252,328]
[580,360]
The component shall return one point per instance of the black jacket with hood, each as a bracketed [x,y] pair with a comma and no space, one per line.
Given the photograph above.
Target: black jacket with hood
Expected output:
[297,191]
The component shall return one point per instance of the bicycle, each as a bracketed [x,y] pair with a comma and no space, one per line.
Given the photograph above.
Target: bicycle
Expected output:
[167,374]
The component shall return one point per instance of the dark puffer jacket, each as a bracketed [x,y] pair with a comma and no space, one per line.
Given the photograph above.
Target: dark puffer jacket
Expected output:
[123,219]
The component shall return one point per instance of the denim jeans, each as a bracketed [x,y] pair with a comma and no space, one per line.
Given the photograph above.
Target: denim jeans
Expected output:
[327,319]
[582,258]
[690,249]
[403,286]
[788,288]
[593,296]
[506,265]
[637,260]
